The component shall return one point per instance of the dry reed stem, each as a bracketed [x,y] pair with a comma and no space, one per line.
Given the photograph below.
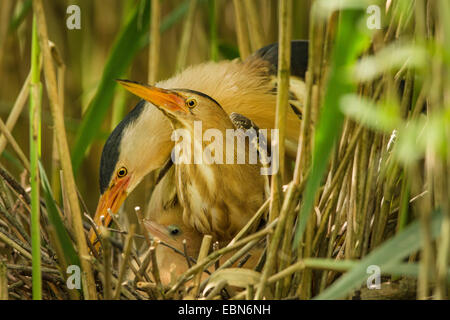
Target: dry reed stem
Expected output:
[64,152]
[17,227]
[341,169]
[125,261]
[140,217]
[241,29]
[186,36]
[144,265]
[107,251]
[56,162]
[251,223]
[284,67]
[155,270]
[204,249]
[14,245]
[5,12]
[155,40]
[3,282]
[254,25]
[9,137]
[284,61]
[17,108]
[185,252]
[272,251]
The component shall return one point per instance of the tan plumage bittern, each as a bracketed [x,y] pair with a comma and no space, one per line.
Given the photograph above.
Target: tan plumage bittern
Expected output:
[141,142]
[213,196]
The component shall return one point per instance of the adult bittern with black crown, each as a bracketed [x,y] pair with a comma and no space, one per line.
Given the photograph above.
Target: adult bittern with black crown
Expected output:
[217,197]
[142,142]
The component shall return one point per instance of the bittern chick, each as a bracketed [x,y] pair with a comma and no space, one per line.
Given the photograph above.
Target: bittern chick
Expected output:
[171,230]
[217,198]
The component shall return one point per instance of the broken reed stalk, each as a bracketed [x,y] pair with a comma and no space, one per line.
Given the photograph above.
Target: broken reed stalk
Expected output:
[186,255]
[144,265]
[35,150]
[64,152]
[107,255]
[204,249]
[155,270]
[241,29]
[125,260]
[153,54]
[186,36]
[140,217]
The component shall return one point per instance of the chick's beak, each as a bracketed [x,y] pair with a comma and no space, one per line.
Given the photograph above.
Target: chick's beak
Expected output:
[167,100]
[111,199]
[159,231]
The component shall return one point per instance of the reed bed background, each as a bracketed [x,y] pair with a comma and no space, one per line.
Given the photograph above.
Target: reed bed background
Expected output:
[370,185]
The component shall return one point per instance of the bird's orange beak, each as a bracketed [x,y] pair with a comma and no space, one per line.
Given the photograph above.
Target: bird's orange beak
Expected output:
[162,98]
[111,199]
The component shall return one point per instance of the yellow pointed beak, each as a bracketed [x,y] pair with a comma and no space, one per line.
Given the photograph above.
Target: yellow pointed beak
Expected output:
[111,199]
[165,99]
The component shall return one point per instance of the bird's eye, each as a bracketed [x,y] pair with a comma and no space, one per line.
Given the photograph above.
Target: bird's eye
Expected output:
[174,230]
[191,103]
[122,172]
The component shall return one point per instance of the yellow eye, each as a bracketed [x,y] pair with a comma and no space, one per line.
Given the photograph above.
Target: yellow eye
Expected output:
[191,103]
[122,172]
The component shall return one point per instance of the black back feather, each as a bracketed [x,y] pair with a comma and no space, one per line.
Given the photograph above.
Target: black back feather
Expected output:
[299,57]
[111,151]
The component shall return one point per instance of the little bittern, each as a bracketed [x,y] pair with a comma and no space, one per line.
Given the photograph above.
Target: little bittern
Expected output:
[214,198]
[141,142]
